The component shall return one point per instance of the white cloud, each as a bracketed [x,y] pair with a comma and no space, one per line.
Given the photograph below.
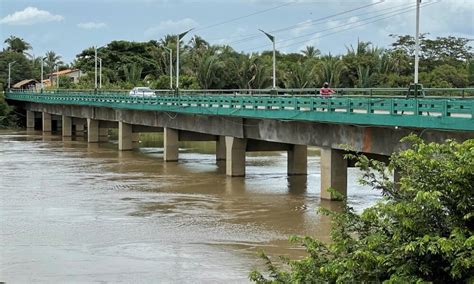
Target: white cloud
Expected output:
[92,25]
[30,16]
[171,26]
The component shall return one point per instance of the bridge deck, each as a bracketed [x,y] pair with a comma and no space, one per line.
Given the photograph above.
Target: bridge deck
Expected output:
[434,113]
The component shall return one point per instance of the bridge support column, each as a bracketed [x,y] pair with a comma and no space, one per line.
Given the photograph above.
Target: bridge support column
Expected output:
[125,136]
[333,172]
[67,126]
[103,134]
[298,160]
[30,120]
[79,131]
[47,122]
[220,148]
[135,140]
[92,130]
[235,156]
[171,147]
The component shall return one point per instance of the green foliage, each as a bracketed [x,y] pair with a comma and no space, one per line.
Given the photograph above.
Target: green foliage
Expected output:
[470,72]
[20,70]
[17,44]
[7,117]
[422,231]
[444,63]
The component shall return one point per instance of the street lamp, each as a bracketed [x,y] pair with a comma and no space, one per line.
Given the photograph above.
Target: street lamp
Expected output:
[417,40]
[272,38]
[42,68]
[171,65]
[100,72]
[57,76]
[95,70]
[9,73]
[178,39]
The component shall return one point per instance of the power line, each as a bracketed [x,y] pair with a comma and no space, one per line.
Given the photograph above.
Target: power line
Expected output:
[246,16]
[397,12]
[245,38]
[350,28]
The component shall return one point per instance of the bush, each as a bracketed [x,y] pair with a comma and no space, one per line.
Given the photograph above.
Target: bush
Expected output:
[7,117]
[422,230]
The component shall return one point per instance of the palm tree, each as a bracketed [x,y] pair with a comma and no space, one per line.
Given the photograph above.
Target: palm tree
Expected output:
[331,69]
[17,44]
[311,51]
[301,76]
[207,70]
[52,60]
[133,73]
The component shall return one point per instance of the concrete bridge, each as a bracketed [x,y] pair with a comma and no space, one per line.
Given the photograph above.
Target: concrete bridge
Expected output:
[242,123]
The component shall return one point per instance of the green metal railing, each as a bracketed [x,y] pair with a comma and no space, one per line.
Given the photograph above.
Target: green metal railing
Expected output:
[446,113]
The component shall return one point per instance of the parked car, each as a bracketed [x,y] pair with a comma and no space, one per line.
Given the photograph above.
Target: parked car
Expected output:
[142,92]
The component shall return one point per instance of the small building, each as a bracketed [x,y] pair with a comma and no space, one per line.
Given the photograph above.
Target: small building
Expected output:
[75,74]
[28,84]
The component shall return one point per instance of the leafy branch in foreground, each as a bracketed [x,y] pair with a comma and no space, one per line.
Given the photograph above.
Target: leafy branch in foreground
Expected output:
[421,231]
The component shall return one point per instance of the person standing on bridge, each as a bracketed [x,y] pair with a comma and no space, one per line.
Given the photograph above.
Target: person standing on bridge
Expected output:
[325,91]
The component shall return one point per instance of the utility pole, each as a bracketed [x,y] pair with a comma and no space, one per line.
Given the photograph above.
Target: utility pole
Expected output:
[100,73]
[57,76]
[178,39]
[9,73]
[272,38]
[42,64]
[95,77]
[417,40]
[171,66]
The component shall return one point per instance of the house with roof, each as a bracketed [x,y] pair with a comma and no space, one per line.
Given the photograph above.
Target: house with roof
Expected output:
[27,84]
[75,74]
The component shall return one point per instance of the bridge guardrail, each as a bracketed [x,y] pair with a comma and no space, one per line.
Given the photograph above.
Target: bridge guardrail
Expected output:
[340,92]
[439,113]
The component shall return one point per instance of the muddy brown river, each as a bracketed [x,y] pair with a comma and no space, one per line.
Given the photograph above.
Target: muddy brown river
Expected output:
[73,212]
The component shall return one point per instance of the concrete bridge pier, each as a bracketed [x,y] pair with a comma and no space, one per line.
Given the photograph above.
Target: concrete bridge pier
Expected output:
[46,122]
[298,160]
[30,121]
[67,126]
[79,126]
[235,156]
[171,146]
[220,148]
[135,140]
[103,134]
[333,172]
[125,136]
[92,130]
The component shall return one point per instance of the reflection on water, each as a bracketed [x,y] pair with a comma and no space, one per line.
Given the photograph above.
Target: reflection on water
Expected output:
[78,212]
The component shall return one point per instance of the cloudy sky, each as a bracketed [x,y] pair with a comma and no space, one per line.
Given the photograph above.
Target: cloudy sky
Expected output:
[69,26]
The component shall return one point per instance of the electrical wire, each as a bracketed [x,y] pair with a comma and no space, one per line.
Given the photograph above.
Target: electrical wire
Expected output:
[307,23]
[245,16]
[363,23]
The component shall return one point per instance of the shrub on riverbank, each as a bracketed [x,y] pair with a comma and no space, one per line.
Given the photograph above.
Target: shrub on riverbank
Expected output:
[422,231]
[7,117]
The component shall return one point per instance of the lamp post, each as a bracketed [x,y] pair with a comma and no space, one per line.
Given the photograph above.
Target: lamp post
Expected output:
[42,64]
[272,38]
[417,40]
[100,72]
[171,65]
[95,69]
[57,76]
[9,73]
[178,39]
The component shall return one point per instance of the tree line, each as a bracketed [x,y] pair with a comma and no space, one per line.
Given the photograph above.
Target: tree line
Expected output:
[444,62]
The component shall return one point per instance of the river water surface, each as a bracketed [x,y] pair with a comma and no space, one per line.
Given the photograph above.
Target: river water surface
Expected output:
[77,212]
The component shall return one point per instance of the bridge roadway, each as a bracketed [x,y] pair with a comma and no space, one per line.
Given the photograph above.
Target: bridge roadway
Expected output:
[242,123]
